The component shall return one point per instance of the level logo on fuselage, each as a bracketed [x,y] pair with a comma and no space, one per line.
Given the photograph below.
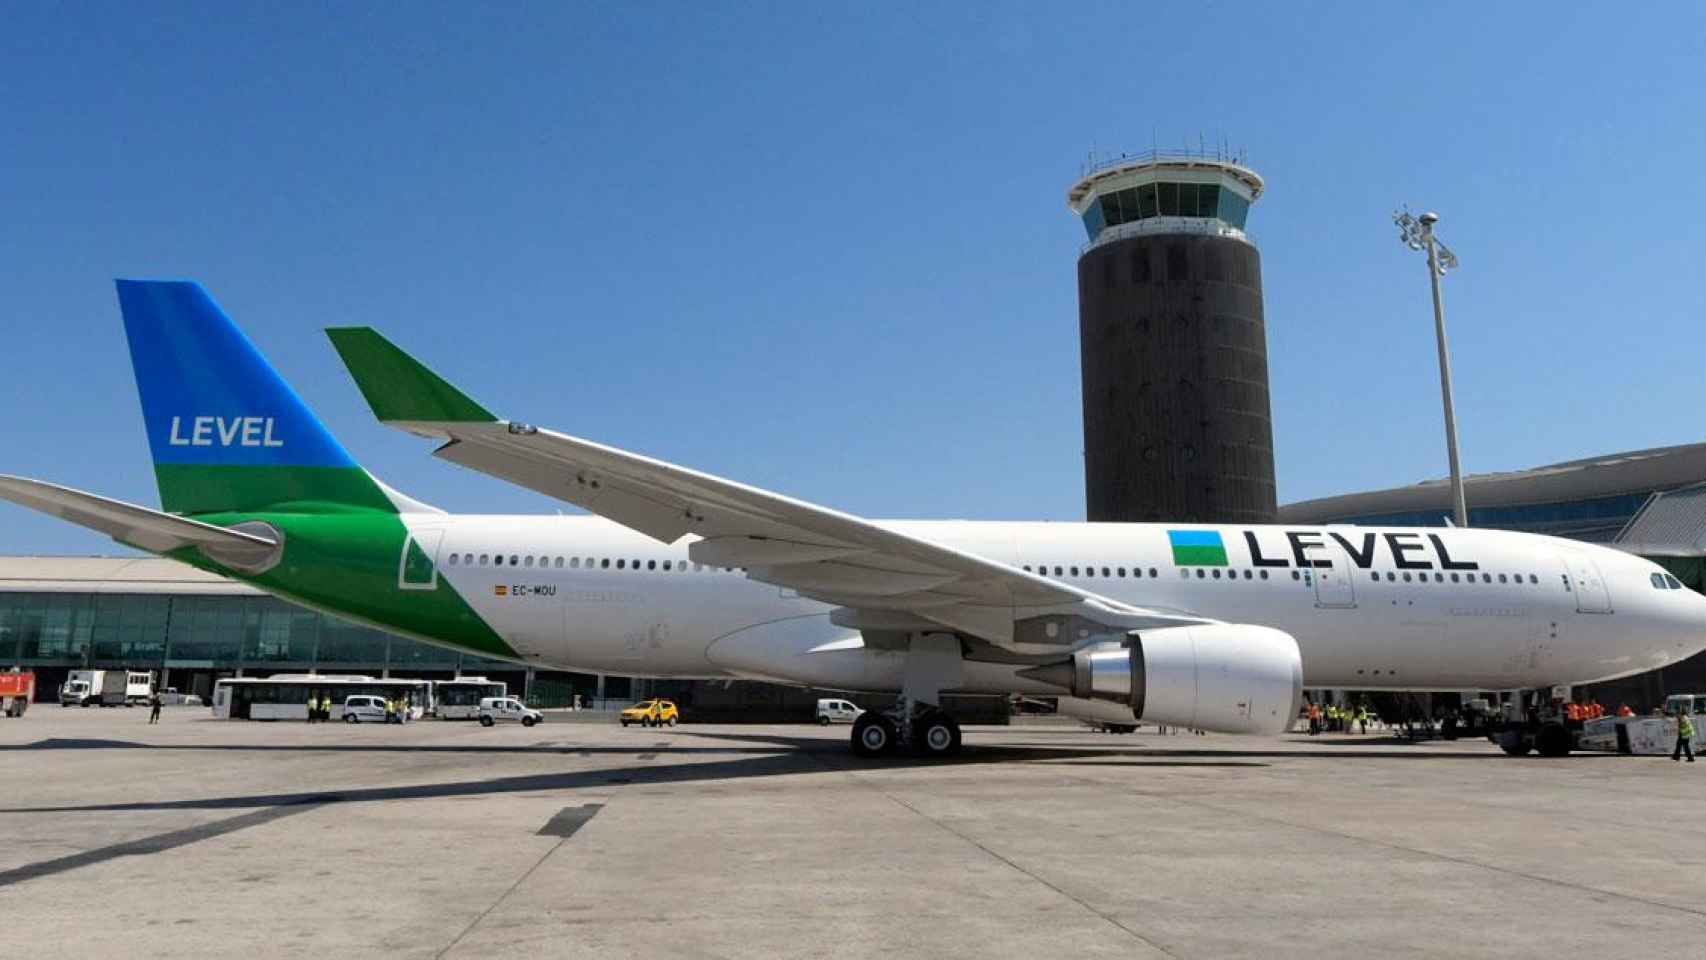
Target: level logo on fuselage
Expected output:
[1310,549]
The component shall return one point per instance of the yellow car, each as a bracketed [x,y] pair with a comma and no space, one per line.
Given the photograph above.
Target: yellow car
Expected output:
[651,713]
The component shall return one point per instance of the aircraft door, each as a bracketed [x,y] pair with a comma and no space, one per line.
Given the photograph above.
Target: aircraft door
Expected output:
[1333,586]
[417,568]
[1582,577]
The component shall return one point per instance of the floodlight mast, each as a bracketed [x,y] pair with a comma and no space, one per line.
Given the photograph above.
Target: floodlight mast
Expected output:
[1417,233]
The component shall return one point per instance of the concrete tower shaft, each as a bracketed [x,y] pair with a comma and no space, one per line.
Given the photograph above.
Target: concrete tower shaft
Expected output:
[1177,424]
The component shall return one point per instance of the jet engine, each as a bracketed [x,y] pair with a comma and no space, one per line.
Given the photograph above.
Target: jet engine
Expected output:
[1226,677]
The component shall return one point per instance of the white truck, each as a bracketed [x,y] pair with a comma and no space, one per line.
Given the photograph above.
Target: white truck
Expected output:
[90,688]
[138,686]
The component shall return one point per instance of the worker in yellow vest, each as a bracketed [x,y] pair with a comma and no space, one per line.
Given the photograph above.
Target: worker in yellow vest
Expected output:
[1684,737]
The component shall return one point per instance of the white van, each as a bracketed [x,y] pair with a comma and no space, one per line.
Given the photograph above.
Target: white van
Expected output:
[493,709]
[836,711]
[361,708]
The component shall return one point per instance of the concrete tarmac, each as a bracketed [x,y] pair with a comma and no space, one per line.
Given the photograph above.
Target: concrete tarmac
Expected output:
[445,839]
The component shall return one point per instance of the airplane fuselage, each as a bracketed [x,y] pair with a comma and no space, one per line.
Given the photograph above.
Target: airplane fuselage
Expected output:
[1370,608]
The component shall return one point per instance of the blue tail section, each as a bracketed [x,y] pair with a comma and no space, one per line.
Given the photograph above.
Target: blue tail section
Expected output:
[208,396]
[227,433]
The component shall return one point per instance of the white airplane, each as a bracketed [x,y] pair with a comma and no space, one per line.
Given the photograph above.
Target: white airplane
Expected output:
[683,574]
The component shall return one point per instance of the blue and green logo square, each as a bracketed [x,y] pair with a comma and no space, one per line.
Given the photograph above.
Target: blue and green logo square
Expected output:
[1197,548]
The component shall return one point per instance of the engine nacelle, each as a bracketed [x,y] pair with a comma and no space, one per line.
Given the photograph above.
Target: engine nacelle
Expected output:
[1226,677]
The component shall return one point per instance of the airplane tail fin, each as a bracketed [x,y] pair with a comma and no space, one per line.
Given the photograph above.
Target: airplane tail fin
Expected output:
[227,433]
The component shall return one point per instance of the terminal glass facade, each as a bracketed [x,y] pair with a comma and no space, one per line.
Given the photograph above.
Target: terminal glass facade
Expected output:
[198,636]
[1203,200]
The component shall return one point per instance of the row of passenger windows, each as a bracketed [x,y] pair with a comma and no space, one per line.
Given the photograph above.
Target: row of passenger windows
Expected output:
[582,563]
[1216,573]
[1107,572]
[1467,577]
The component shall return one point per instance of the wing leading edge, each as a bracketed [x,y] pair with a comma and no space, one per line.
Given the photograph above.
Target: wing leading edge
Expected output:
[879,574]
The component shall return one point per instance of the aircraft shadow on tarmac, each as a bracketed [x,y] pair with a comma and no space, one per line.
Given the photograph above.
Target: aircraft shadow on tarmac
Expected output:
[755,755]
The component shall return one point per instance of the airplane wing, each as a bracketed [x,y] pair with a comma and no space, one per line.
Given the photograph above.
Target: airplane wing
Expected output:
[881,577]
[139,526]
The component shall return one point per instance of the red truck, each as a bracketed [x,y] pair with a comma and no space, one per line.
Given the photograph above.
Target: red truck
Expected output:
[16,692]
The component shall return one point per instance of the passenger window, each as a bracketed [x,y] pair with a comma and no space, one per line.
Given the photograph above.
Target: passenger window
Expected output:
[1532,579]
[529,562]
[1201,575]
[1406,578]
[483,558]
[1075,571]
[512,559]
[621,564]
[453,559]
[1486,578]
[604,564]
[1296,576]
[498,560]
[559,563]
[1217,574]
[1375,577]
[1120,571]
[1454,578]
[1502,578]
[651,564]
[1185,574]
[1264,574]
[1247,575]
[1439,578]
[1090,571]
[1105,572]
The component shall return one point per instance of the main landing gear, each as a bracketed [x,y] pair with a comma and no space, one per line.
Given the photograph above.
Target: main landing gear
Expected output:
[931,733]
[917,722]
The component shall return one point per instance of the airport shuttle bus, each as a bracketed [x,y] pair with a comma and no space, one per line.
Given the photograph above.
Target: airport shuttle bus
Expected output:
[459,699]
[285,697]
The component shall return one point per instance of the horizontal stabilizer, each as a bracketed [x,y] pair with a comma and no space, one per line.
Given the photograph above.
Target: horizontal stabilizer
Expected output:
[141,527]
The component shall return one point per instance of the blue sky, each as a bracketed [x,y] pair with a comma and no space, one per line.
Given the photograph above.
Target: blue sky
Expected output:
[825,248]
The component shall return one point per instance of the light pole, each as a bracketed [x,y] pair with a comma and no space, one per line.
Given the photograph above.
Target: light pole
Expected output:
[1418,234]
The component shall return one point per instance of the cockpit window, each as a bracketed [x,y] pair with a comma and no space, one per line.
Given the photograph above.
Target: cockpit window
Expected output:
[1675,584]
[1659,582]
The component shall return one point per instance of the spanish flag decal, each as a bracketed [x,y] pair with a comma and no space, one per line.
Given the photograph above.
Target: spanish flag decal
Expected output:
[501,590]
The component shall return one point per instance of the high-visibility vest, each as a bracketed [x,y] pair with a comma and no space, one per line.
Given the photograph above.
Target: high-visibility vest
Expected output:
[1684,727]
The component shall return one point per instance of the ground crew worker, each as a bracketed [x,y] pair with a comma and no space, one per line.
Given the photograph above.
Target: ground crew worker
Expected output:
[1684,737]
[154,706]
[1624,711]
[1362,718]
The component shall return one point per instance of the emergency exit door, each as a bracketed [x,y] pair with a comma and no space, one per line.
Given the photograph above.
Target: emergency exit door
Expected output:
[1333,586]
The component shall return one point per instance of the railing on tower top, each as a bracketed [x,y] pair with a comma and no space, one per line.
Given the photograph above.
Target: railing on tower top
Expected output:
[1092,165]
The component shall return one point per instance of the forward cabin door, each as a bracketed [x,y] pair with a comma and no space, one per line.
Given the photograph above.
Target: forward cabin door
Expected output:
[1581,576]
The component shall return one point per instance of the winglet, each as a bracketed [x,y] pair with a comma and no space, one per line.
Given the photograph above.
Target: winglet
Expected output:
[397,386]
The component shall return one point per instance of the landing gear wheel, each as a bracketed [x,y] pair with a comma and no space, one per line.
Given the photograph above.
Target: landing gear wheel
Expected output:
[1514,743]
[936,735]
[873,735]
[1553,740]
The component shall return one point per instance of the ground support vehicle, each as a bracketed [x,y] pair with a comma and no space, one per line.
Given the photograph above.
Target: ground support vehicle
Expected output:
[138,687]
[16,692]
[837,711]
[1538,720]
[366,708]
[495,709]
[93,688]
[652,713]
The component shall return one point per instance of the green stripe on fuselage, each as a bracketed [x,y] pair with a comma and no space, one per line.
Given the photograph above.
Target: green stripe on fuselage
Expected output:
[349,563]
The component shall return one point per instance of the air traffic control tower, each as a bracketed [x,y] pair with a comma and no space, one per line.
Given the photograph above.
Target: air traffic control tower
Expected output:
[1175,353]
